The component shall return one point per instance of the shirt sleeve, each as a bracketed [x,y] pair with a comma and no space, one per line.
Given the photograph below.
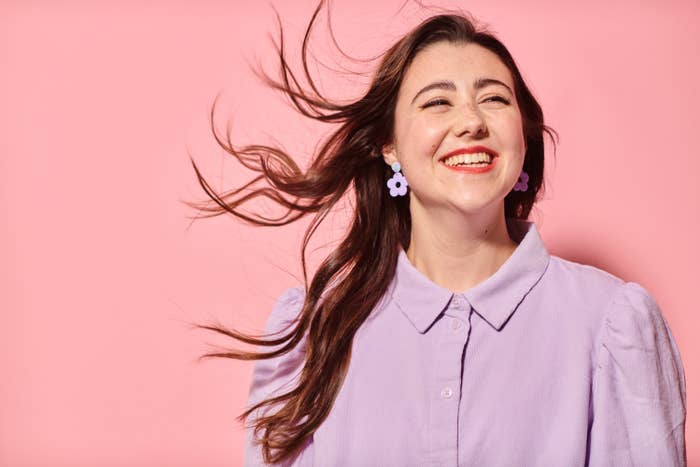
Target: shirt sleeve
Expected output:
[275,375]
[639,395]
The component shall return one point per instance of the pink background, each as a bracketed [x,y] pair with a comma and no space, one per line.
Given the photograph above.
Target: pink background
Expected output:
[102,271]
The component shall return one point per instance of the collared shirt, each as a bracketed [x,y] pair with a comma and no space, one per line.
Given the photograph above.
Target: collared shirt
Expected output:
[547,362]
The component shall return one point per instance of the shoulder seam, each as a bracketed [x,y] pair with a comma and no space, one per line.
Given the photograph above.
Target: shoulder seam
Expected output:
[602,332]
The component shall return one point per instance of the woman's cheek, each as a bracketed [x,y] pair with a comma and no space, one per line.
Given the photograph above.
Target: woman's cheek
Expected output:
[427,141]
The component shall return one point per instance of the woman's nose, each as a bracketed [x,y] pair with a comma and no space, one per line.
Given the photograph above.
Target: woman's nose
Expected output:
[469,120]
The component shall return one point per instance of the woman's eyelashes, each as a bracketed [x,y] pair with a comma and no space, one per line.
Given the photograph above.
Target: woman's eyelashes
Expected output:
[434,103]
[438,102]
[497,99]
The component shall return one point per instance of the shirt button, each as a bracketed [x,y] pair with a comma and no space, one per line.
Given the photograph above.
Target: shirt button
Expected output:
[458,302]
[456,324]
[446,393]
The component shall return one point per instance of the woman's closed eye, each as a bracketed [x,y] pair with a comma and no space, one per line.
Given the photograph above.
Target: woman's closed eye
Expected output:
[437,102]
[434,103]
[497,99]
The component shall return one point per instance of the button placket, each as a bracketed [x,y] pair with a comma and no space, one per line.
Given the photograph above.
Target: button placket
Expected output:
[445,387]
[459,304]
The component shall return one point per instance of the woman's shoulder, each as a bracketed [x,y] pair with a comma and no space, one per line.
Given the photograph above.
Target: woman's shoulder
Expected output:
[280,321]
[579,283]
[286,308]
[622,311]
[602,299]
[582,273]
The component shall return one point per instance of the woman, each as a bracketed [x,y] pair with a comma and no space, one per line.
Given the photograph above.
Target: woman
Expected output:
[440,331]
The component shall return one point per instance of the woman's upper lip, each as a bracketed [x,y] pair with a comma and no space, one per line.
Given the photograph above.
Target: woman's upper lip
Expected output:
[470,150]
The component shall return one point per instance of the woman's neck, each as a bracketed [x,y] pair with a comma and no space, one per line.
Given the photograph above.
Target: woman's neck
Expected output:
[458,252]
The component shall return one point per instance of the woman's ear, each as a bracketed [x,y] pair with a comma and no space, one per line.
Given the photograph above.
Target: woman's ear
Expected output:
[389,154]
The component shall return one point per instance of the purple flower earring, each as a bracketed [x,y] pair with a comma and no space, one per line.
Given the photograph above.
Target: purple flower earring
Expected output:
[397,184]
[522,182]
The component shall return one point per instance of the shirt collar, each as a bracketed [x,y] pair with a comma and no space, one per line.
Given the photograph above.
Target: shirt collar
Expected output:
[495,299]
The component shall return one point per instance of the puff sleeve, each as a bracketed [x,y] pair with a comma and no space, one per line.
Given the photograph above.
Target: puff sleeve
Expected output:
[276,375]
[639,395]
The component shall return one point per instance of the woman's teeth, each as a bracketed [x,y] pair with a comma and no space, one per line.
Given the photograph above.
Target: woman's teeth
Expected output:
[477,159]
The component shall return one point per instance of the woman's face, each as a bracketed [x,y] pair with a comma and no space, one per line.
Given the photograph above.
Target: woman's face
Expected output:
[440,110]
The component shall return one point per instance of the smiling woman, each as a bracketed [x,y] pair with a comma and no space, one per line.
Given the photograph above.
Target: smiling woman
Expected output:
[441,331]
[460,141]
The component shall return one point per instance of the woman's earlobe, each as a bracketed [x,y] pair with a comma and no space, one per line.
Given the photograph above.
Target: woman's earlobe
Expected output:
[388,154]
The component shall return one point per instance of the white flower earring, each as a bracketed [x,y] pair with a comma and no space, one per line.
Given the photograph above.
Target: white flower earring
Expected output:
[397,184]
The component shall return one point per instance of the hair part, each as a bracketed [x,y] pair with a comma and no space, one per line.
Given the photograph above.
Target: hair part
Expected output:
[352,279]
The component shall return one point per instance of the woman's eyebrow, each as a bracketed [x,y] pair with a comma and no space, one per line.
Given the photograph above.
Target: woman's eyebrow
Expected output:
[446,85]
[479,83]
[483,82]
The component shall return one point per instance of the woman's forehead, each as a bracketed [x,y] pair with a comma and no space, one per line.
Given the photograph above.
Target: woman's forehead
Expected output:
[456,62]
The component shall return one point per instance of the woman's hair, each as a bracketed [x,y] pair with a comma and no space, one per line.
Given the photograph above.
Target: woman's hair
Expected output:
[353,278]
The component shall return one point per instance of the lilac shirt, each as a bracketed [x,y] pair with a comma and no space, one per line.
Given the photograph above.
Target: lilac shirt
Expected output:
[546,363]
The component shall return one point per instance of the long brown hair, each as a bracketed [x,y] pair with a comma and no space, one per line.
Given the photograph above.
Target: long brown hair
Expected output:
[353,278]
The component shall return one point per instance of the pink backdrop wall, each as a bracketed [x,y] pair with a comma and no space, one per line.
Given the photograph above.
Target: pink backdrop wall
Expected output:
[102,271]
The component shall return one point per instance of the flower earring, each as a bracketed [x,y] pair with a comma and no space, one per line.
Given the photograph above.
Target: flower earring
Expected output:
[397,184]
[522,182]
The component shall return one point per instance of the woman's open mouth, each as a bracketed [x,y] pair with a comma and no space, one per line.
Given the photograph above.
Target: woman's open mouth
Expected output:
[470,163]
